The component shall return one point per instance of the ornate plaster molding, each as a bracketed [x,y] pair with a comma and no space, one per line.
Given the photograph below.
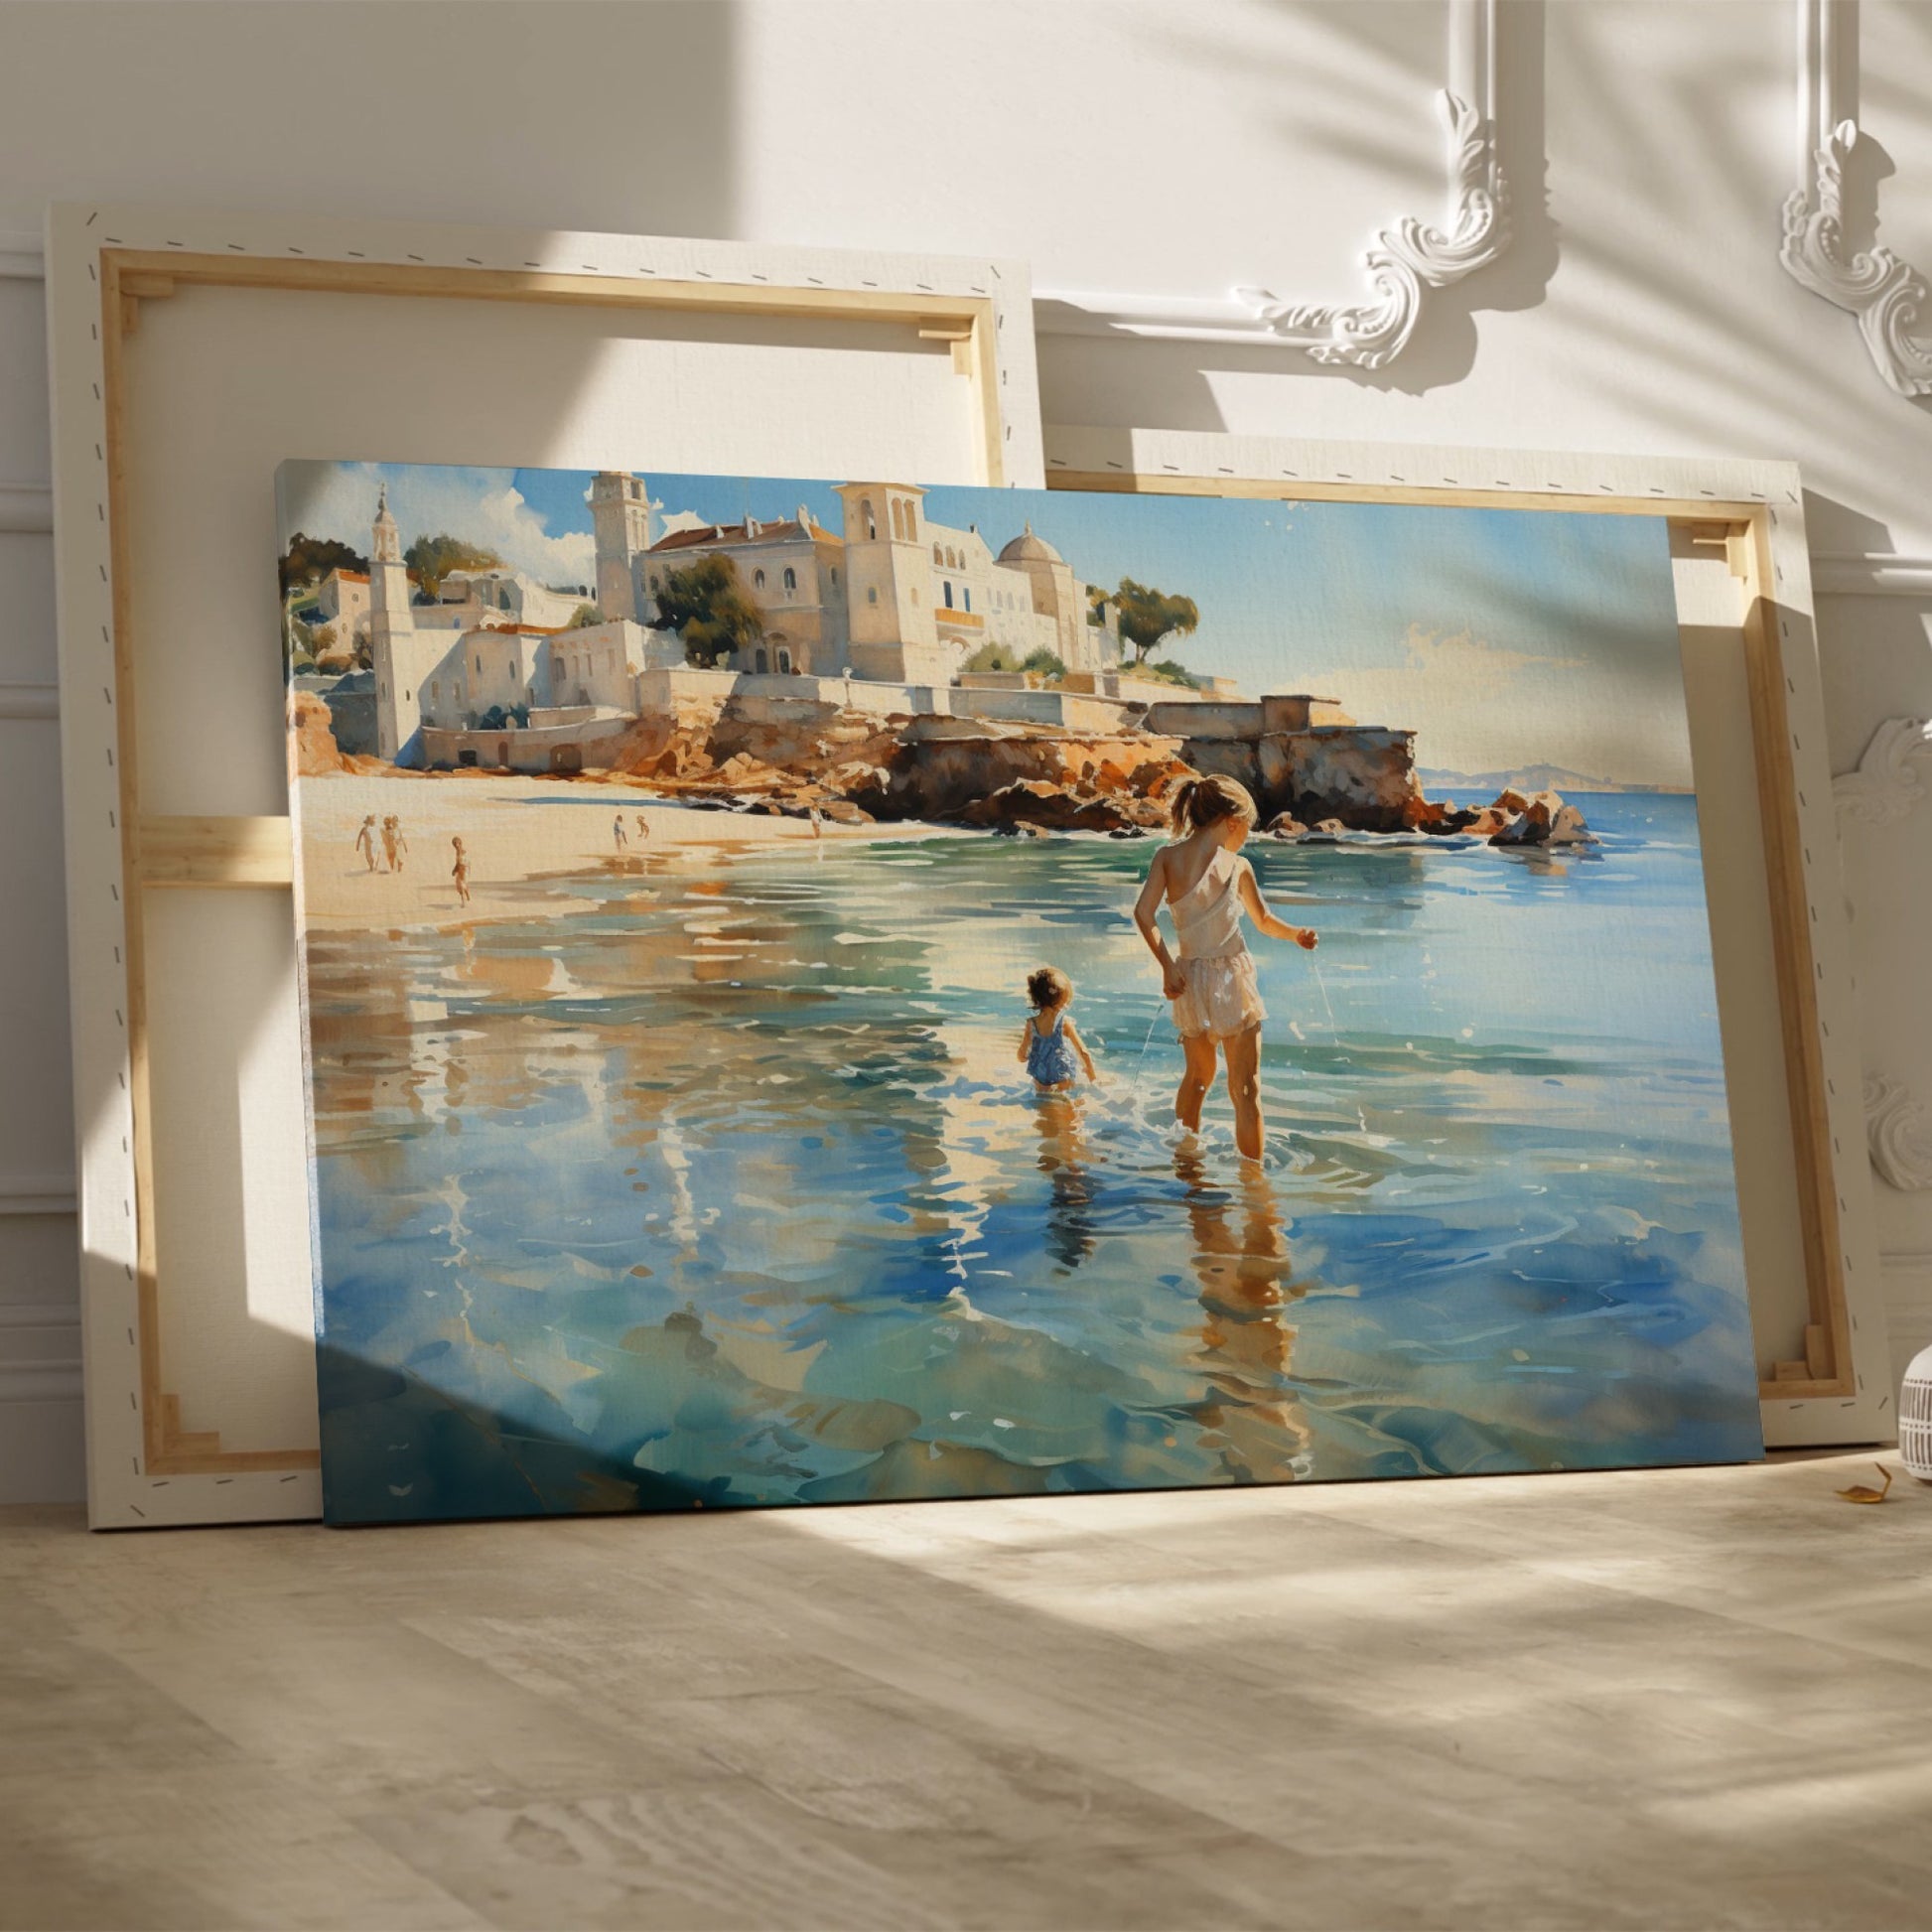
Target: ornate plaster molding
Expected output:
[1899,1131]
[1887,784]
[1886,294]
[1887,787]
[1406,262]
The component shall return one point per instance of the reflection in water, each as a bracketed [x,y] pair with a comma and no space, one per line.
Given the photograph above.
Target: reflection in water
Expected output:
[1242,1264]
[726,1189]
[1065,1159]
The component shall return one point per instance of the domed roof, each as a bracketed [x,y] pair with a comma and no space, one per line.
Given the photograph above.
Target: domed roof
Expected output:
[1030,549]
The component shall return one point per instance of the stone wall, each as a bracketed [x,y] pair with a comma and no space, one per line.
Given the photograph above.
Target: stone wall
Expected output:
[562,749]
[1363,775]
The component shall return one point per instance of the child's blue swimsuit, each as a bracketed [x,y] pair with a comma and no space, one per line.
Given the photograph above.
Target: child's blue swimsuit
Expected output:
[1050,1060]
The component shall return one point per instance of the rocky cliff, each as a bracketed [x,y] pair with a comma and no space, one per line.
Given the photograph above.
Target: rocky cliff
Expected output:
[798,754]
[1360,775]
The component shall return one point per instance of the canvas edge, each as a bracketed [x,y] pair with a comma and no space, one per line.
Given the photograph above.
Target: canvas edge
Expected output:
[1426,472]
[120,1493]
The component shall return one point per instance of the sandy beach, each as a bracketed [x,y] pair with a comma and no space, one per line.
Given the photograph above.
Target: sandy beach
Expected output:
[516,833]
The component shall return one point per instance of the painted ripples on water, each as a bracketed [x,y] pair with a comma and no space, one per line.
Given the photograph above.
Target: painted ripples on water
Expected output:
[729,1189]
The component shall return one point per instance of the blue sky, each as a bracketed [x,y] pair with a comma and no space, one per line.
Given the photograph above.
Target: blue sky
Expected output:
[1503,637]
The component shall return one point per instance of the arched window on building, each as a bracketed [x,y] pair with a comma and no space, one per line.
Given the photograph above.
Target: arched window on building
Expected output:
[784,661]
[912,522]
[791,578]
[914,593]
[763,662]
[946,591]
[939,555]
[757,580]
[866,516]
[835,576]
[967,593]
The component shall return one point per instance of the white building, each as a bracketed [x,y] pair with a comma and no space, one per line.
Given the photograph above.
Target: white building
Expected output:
[894,597]
[342,604]
[470,596]
[475,652]
[795,572]
[895,600]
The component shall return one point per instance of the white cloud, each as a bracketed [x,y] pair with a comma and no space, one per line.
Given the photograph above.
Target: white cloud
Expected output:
[1479,707]
[481,507]
[684,520]
[1439,680]
[509,526]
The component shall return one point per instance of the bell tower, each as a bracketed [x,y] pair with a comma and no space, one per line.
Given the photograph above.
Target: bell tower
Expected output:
[621,515]
[388,575]
[888,592]
[399,652]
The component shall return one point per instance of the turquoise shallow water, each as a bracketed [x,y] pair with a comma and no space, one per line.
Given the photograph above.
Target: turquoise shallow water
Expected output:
[730,1189]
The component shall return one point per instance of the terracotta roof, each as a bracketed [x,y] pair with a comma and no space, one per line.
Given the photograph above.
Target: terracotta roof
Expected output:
[524,629]
[716,534]
[351,576]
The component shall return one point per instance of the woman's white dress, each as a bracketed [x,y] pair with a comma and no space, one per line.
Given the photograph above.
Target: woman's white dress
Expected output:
[1220,997]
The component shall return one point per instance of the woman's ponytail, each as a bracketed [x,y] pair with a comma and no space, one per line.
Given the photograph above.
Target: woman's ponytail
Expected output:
[1181,809]
[1200,802]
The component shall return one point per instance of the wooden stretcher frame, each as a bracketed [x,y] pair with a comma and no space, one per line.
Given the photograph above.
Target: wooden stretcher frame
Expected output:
[1835,1386]
[146,1467]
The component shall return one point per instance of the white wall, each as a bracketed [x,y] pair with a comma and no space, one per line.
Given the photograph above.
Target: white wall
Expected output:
[1123,145]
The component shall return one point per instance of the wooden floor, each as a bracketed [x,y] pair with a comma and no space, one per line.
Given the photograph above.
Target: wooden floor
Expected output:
[1681,1698]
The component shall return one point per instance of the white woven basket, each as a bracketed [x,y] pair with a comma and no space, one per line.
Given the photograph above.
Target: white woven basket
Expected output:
[1916,1417]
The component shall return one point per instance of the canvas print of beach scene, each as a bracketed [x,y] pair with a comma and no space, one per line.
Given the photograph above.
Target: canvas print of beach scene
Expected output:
[833,991]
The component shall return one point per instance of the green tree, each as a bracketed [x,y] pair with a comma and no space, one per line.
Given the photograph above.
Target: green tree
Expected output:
[308,560]
[584,616]
[321,646]
[707,605]
[991,657]
[1043,663]
[1169,673]
[431,559]
[1146,616]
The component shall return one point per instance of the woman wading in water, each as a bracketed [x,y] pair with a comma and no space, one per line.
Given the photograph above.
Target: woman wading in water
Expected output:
[1205,887]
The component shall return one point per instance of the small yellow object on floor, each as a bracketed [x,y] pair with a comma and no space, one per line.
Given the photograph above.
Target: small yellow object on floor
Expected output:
[1863,1492]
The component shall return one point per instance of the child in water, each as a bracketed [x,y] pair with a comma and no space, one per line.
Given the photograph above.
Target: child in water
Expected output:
[1050,1040]
[1211,983]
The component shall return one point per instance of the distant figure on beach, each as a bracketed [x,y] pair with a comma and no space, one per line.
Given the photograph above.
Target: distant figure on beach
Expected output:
[617,832]
[818,828]
[460,871]
[1050,1040]
[366,840]
[1205,889]
[394,845]
[644,826]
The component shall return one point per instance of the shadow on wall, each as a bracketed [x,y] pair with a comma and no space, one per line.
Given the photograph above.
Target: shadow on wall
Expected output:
[1444,348]
[616,119]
